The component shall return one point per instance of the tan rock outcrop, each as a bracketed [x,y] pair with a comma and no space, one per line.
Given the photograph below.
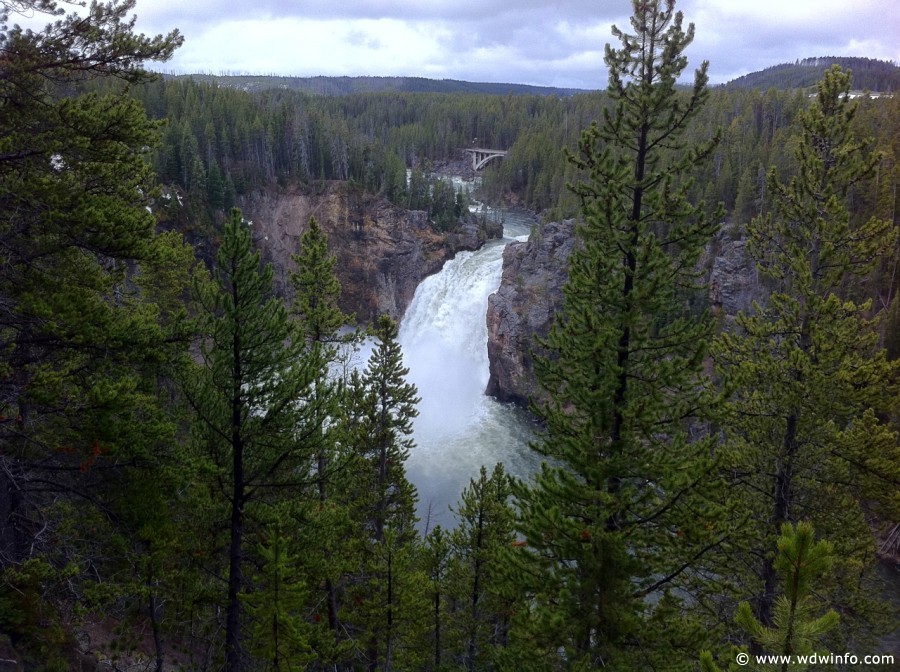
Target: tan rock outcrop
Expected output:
[383,251]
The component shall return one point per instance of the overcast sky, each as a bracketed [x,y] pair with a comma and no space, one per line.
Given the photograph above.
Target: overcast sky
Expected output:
[542,42]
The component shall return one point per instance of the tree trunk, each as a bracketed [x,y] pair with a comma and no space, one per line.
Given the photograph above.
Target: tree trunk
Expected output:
[476,591]
[437,631]
[235,581]
[235,551]
[330,593]
[12,546]
[624,344]
[153,608]
[780,514]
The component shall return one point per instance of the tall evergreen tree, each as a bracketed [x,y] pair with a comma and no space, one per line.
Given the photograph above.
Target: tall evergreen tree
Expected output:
[383,407]
[484,532]
[254,402]
[620,522]
[319,320]
[316,288]
[437,563]
[388,406]
[810,383]
[83,345]
[74,183]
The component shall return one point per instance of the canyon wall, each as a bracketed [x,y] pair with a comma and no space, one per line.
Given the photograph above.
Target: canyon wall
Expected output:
[522,310]
[383,251]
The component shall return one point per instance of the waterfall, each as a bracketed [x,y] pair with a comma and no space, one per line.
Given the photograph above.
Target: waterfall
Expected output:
[444,341]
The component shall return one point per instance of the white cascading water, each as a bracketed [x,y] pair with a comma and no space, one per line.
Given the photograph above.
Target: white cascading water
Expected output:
[444,340]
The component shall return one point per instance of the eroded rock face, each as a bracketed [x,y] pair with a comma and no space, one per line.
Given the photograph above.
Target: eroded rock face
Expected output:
[383,252]
[530,295]
[734,282]
[523,308]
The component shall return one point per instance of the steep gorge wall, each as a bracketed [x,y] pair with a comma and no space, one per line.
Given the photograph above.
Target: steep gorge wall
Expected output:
[523,308]
[530,295]
[383,251]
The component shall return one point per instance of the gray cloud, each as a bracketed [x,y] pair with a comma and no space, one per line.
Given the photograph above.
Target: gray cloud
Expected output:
[528,41]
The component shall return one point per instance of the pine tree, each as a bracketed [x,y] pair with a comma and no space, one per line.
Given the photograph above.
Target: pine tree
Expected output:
[74,183]
[85,344]
[624,512]
[484,532]
[319,320]
[798,563]
[388,408]
[805,439]
[797,631]
[316,288]
[253,398]
[383,406]
[278,635]
[471,607]
[437,562]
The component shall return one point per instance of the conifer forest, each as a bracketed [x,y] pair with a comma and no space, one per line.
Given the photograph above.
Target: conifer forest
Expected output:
[192,478]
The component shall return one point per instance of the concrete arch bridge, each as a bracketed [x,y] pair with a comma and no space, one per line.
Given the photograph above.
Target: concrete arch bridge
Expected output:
[482,156]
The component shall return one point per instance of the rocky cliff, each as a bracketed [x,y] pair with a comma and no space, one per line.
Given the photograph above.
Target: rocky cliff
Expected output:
[734,282]
[523,307]
[383,252]
[530,294]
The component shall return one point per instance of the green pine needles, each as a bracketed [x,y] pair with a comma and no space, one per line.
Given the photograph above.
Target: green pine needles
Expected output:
[255,403]
[796,629]
[619,528]
[804,428]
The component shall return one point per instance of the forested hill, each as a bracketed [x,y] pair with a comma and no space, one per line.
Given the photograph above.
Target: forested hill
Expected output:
[337,86]
[867,74]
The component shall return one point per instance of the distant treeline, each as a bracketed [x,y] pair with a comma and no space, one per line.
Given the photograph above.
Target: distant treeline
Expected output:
[341,86]
[867,74]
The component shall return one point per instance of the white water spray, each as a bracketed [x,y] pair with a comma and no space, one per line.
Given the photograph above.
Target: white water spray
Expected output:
[444,340]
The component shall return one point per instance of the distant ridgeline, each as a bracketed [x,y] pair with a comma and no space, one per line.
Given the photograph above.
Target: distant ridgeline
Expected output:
[337,86]
[867,74]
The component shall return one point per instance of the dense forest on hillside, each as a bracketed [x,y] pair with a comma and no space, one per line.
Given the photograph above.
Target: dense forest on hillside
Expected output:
[192,479]
[338,86]
[868,74]
[219,142]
